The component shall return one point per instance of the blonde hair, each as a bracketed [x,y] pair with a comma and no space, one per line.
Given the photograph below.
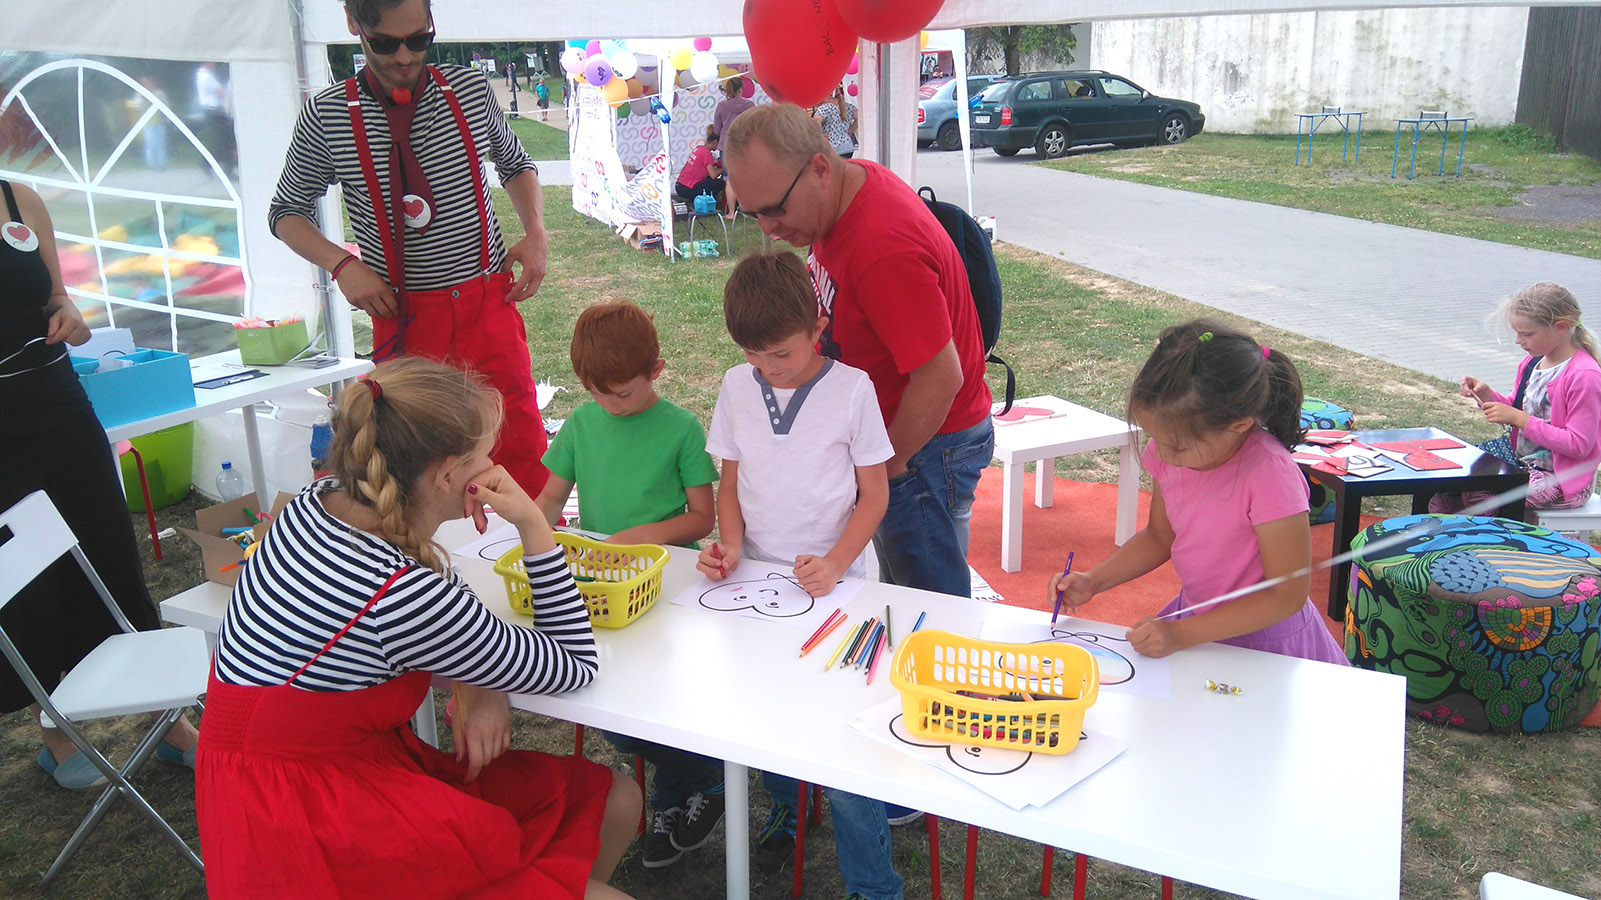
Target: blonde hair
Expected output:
[385,437]
[1548,304]
[786,130]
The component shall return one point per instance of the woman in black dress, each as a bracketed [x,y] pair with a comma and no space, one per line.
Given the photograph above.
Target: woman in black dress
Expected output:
[50,440]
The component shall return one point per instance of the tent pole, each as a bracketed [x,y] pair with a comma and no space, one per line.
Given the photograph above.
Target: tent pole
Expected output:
[885,83]
[335,318]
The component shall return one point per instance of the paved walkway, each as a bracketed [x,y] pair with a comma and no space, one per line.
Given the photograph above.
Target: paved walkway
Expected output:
[1414,298]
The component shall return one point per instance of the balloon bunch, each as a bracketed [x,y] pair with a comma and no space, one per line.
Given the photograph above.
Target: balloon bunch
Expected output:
[801,51]
[611,67]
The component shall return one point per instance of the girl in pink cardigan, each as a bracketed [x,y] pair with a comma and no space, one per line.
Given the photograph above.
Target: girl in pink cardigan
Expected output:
[1554,429]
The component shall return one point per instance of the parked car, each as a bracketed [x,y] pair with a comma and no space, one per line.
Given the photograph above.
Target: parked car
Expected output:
[936,110]
[1052,111]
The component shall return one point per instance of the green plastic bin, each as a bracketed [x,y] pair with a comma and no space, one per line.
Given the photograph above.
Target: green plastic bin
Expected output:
[169,466]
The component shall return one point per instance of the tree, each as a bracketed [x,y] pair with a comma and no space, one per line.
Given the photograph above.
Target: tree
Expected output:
[1011,42]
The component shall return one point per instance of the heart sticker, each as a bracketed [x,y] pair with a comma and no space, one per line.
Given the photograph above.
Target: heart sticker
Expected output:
[418,215]
[19,236]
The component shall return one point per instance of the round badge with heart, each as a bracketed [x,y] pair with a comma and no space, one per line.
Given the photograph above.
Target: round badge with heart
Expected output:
[418,214]
[19,236]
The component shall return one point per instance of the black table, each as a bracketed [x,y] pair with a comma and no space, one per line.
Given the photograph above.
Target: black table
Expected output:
[1479,472]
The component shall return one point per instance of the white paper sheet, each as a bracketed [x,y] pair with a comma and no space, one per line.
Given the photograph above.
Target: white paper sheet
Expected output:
[1122,670]
[762,590]
[1016,778]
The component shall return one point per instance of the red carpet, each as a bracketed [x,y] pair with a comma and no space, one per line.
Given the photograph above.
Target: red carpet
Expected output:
[1082,519]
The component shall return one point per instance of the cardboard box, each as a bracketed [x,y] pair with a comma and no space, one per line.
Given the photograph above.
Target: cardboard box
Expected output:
[149,383]
[217,551]
[638,233]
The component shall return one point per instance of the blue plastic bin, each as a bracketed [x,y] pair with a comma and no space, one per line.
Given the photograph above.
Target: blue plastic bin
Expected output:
[153,382]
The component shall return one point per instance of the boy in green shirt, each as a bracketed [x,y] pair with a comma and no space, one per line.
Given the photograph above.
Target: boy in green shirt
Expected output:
[643,477]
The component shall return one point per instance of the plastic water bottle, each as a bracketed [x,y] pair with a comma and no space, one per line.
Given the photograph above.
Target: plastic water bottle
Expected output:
[322,438]
[230,485]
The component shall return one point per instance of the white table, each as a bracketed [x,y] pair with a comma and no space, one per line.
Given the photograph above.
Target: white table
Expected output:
[279,381]
[1077,430]
[1239,793]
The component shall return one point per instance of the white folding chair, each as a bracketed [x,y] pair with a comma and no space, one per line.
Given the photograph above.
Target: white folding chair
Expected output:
[134,672]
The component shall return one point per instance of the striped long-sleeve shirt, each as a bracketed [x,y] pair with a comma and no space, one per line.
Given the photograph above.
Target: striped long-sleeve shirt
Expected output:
[314,572]
[322,152]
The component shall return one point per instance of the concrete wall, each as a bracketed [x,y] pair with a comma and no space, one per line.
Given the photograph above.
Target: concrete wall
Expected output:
[1253,73]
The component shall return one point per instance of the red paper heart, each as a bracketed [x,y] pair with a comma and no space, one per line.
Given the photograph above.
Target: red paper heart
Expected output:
[1022,412]
[18,232]
[414,208]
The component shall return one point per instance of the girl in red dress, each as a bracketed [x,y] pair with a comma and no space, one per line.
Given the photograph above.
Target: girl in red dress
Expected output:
[309,781]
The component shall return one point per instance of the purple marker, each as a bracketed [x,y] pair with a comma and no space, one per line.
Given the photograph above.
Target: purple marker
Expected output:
[1066,570]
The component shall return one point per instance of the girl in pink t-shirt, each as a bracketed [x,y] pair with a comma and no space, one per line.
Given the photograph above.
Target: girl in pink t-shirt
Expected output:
[1228,504]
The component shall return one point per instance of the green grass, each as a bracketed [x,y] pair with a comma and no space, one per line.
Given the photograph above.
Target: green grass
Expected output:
[540,140]
[1499,164]
[1526,806]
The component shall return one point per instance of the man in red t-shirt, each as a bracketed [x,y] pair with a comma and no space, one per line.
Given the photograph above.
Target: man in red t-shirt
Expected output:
[895,290]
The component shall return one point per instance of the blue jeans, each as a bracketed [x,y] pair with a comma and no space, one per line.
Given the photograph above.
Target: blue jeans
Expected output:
[922,541]
[679,773]
[861,838]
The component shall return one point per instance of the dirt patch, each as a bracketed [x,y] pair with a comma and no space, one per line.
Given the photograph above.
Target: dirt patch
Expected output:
[1552,204]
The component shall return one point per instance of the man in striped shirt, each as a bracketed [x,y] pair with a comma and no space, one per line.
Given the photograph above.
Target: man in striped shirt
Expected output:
[402,140]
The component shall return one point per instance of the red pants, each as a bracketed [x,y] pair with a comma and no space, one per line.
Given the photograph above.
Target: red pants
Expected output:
[472,327]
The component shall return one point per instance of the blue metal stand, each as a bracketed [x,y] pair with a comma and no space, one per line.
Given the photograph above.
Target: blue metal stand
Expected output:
[1426,121]
[1315,119]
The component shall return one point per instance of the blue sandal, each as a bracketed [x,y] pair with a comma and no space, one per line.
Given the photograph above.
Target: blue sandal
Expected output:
[170,754]
[76,774]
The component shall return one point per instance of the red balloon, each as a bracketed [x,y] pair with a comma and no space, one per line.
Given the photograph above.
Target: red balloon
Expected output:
[800,49]
[888,21]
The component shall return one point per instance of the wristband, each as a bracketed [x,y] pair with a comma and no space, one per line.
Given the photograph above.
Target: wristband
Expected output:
[349,257]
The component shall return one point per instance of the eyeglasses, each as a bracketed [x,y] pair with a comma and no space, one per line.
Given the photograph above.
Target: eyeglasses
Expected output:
[388,46]
[776,211]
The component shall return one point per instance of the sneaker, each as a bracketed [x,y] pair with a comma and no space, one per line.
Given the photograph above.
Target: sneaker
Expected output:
[901,815]
[778,835]
[702,812]
[659,850]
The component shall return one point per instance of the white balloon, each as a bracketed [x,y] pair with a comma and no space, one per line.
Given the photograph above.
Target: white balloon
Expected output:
[703,65]
[624,64]
[572,60]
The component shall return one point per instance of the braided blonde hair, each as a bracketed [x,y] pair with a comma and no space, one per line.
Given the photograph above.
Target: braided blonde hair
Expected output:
[421,412]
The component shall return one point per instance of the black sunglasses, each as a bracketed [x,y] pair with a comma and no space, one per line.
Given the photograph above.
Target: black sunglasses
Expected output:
[388,46]
[776,211]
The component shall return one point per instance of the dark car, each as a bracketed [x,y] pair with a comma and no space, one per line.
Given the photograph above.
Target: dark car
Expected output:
[1052,111]
[936,110]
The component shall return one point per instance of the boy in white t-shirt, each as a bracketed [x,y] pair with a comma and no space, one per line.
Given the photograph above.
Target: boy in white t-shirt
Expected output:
[801,437]
[803,446]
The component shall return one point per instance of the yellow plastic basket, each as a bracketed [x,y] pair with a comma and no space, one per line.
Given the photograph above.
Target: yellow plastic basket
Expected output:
[618,581]
[960,690]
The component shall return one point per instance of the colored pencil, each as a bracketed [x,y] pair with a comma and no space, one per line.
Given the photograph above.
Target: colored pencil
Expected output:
[823,631]
[920,617]
[873,668]
[840,650]
[877,635]
[717,554]
[862,652]
[873,640]
[1066,570]
[888,637]
[861,635]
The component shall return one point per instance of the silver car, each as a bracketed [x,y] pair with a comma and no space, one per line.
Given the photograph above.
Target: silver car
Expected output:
[936,110]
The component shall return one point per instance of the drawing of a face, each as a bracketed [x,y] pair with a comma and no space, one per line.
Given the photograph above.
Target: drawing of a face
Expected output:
[776,595]
[1115,667]
[978,760]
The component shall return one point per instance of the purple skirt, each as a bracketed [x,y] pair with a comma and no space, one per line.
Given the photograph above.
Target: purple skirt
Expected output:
[1302,635]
